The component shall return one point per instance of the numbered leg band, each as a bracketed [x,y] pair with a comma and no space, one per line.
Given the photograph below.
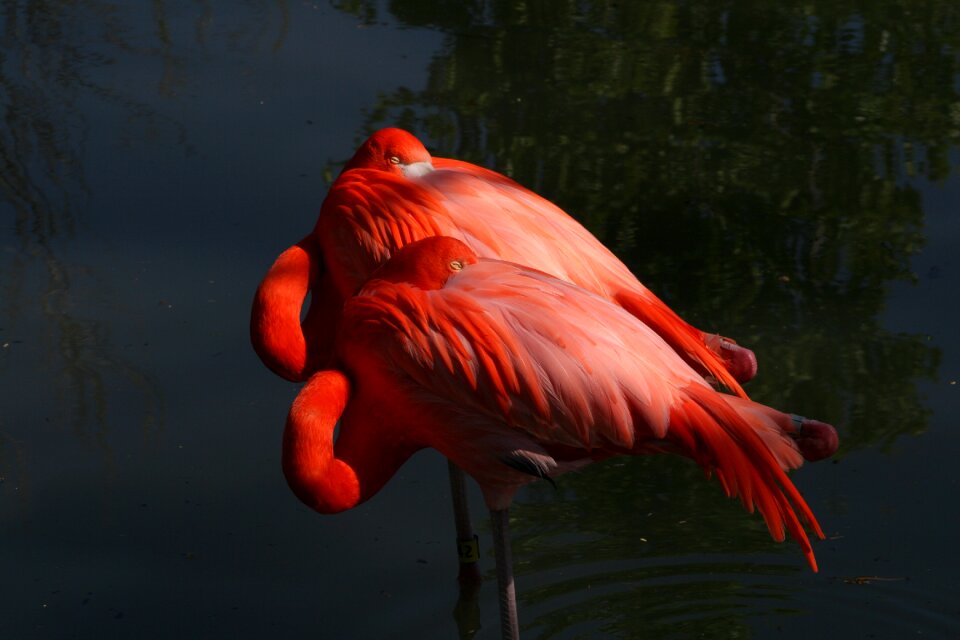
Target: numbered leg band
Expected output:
[468,550]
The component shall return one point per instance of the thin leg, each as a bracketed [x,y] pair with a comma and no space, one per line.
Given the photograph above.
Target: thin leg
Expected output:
[509,625]
[468,549]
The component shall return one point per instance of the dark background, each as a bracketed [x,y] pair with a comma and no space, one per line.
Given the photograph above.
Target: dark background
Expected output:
[785,173]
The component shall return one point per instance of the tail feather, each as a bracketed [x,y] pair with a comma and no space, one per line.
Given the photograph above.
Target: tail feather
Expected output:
[685,339]
[773,427]
[726,443]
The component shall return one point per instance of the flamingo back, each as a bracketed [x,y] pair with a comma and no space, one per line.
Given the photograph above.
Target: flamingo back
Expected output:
[541,367]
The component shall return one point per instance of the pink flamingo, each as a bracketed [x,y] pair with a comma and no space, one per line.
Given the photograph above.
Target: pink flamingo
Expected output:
[392,193]
[515,375]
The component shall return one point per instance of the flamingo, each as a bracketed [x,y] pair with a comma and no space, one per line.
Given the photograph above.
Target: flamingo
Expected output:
[515,375]
[391,193]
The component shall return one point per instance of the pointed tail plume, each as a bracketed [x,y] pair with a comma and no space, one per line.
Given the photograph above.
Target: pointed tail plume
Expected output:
[701,351]
[735,440]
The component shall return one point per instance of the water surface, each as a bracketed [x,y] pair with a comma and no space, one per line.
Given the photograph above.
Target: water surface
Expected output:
[787,175]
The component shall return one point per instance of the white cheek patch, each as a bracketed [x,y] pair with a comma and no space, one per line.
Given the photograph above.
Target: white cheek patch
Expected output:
[416,169]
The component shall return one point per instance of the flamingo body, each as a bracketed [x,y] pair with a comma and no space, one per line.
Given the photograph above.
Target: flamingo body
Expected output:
[514,374]
[393,193]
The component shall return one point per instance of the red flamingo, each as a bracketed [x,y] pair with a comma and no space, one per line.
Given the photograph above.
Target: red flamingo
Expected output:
[392,193]
[515,375]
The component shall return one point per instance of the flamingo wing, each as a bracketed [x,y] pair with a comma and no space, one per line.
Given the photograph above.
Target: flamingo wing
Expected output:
[527,349]
[515,224]
[510,347]
[368,215]
[512,223]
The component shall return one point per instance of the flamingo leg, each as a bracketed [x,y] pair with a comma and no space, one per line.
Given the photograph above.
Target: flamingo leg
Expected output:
[466,613]
[509,625]
[468,549]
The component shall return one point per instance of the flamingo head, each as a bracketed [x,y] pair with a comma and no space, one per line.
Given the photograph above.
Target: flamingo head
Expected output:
[428,263]
[394,151]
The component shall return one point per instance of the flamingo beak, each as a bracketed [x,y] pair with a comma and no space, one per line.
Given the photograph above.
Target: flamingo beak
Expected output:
[416,169]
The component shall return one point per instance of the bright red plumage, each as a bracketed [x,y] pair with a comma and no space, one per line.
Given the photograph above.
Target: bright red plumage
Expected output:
[390,195]
[514,374]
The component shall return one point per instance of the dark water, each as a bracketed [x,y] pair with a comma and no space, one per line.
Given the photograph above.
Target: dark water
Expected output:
[785,173]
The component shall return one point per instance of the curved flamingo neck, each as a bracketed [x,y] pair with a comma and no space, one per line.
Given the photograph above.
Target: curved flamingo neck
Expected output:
[291,350]
[330,477]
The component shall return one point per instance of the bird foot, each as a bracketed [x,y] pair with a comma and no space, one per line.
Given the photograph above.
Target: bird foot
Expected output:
[816,440]
[739,361]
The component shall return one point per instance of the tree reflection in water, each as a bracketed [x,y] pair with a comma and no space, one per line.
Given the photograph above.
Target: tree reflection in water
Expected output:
[752,163]
[55,64]
[748,162]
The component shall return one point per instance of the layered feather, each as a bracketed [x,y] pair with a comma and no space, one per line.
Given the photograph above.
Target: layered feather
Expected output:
[551,367]
[379,212]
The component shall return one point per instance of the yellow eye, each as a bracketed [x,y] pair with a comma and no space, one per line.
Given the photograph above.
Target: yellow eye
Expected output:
[394,160]
[456,265]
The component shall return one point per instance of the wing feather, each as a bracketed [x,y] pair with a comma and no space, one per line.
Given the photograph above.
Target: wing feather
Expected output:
[541,366]
[530,350]
[516,225]
[498,218]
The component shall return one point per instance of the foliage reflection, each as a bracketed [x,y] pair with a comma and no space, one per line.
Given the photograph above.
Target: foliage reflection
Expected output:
[755,164]
[53,73]
[749,162]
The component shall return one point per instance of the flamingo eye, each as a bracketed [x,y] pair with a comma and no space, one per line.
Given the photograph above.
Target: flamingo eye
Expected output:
[456,265]
[394,160]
